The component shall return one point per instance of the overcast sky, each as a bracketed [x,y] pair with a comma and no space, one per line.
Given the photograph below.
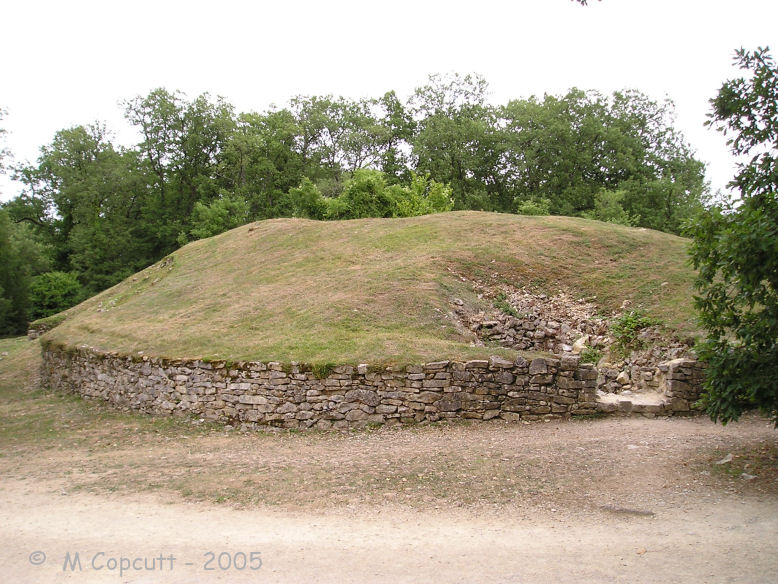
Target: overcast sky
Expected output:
[70,62]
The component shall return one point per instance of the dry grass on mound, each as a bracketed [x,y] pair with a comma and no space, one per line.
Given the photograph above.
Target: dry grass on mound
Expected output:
[372,290]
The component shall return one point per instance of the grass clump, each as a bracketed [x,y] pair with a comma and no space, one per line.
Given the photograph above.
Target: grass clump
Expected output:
[591,355]
[501,303]
[322,370]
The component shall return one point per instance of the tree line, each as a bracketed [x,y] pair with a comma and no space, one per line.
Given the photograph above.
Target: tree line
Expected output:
[92,212]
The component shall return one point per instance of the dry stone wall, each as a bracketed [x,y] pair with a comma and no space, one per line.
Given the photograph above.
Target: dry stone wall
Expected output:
[258,394]
[683,383]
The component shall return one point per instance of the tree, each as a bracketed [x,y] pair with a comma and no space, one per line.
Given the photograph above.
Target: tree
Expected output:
[53,292]
[337,136]
[260,162]
[608,207]
[566,149]
[183,143]
[735,249]
[87,200]
[218,216]
[21,256]
[454,136]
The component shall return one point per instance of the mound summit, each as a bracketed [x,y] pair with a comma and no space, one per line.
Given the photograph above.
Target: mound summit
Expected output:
[373,290]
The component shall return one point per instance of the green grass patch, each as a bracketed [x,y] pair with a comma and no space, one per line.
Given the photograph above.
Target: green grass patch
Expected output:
[501,303]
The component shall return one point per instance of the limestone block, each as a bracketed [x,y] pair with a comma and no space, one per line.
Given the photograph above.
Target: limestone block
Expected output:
[538,366]
[436,365]
[476,364]
[433,383]
[365,396]
[286,408]
[569,362]
[496,362]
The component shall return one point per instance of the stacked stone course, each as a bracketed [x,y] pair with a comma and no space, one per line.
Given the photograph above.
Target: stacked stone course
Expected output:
[255,394]
[684,379]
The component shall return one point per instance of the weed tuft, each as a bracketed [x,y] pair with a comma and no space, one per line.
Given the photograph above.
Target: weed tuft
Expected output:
[322,370]
[591,355]
[501,303]
[626,329]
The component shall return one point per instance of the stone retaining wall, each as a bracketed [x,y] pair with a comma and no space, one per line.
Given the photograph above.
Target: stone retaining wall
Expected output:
[683,383]
[254,394]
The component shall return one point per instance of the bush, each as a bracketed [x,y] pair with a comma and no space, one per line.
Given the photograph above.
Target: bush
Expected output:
[626,328]
[306,201]
[366,195]
[424,196]
[53,292]
[218,216]
[534,207]
[608,207]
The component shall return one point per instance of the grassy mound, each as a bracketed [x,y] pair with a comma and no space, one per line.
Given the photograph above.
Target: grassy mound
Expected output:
[372,290]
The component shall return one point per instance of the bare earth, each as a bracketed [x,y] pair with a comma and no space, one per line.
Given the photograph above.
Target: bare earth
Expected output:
[617,500]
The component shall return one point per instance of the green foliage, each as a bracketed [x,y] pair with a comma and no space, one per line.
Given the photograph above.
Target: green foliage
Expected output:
[21,256]
[53,292]
[608,207]
[735,249]
[85,200]
[454,132]
[501,303]
[306,201]
[626,329]
[569,148]
[4,152]
[216,217]
[261,162]
[322,370]
[534,207]
[336,208]
[103,212]
[591,355]
[424,196]
[366,195]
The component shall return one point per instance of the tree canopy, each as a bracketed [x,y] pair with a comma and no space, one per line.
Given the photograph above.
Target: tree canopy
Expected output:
[735,248]
[102,211]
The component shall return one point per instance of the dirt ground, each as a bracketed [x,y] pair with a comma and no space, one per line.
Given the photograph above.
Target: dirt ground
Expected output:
[602,500]
[627,500]
[729,540]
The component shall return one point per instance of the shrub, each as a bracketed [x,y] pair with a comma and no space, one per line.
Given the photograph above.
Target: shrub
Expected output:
[534,207]
[608,207]
[306,201]
[424,196]
[53,292]
[626,328]
[366,195]
[222,214]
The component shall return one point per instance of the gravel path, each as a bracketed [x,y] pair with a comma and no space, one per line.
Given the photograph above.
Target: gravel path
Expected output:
[729,541]
[618,500]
